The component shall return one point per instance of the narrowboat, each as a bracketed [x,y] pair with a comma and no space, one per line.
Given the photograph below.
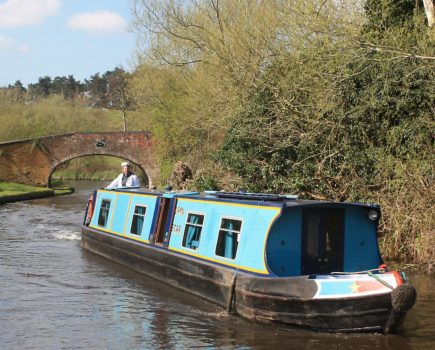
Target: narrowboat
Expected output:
[273,259]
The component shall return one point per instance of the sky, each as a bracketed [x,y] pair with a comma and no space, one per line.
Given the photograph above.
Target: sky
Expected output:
[63,37]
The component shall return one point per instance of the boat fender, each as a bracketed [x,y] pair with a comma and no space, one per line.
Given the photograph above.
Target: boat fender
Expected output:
[403,297]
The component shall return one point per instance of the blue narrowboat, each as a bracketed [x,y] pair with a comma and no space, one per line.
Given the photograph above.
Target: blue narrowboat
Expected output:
[267,258]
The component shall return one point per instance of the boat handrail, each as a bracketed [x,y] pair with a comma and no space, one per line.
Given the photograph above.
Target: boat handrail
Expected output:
[251,196]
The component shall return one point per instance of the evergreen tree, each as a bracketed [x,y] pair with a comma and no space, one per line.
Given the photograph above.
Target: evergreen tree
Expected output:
[42,88]
[96,90]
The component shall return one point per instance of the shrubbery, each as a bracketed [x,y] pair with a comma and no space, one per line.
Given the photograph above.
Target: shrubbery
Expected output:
[331,101]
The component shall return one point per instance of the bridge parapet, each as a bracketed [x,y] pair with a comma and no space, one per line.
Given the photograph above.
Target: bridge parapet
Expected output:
[32,161]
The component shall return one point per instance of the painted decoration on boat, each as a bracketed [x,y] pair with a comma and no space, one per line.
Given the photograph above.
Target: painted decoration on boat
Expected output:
[354,286]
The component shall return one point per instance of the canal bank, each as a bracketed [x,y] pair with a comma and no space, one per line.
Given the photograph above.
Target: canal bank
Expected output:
[14,192]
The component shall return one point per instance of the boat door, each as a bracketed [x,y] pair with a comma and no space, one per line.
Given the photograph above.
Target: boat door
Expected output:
[322,241]
[162,225]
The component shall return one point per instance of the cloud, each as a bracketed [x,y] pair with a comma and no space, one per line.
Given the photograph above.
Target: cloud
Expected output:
[17,13]
[5,42]
[9,44]
[100,22]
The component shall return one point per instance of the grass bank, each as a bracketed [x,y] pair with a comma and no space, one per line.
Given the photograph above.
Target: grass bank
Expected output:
[13,192]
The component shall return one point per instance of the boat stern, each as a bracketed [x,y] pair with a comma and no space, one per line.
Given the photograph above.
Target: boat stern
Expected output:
[365,302]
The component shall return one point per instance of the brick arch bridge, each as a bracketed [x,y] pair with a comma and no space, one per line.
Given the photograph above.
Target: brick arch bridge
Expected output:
[33,161]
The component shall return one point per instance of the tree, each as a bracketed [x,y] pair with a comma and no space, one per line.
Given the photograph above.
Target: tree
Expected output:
[118,95]
[73,87]
[218,52]
[96,90]
[19,91]
[384,14]
[42,88]
[68,87]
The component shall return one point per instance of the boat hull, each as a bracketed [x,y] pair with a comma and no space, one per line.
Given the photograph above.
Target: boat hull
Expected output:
[288,301]
[357,314]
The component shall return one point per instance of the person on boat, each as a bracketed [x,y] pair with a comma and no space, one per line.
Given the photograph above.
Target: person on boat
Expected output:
[126,178]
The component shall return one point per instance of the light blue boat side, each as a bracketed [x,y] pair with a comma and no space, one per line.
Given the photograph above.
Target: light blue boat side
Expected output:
[256,222]
[121,213]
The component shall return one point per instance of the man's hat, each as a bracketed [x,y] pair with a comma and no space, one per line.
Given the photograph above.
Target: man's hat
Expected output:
[125,164]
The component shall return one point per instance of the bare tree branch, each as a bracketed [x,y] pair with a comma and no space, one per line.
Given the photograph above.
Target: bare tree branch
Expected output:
[396,51]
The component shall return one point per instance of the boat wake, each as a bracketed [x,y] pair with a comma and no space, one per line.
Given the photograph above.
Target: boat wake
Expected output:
[215,315]
[66,235]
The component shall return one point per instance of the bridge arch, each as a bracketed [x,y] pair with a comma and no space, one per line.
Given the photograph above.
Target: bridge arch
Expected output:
[33,161]
[144,182]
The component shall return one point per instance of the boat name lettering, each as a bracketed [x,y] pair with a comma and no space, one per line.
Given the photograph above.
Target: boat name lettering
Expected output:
[179,211]
[176,228]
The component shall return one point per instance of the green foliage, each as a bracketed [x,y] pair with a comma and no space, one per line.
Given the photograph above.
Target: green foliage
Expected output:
[205,182]
[108,90]
[373,143]
[327,101]
[384,14]
[54,116]
[67,87]
[177,109]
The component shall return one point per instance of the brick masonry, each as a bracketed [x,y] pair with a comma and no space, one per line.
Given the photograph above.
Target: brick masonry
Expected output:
[33,161]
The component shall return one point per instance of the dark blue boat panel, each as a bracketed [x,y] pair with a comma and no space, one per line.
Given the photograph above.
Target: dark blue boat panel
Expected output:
[169,222]
[283,250]
[361,251]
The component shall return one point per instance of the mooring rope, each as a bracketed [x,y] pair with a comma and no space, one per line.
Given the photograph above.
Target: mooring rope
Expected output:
[380,280]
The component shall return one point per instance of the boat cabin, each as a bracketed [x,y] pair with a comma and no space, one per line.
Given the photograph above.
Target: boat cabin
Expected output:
[269,235]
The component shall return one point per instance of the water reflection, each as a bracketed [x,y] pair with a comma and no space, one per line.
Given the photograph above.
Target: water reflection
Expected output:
[56,295]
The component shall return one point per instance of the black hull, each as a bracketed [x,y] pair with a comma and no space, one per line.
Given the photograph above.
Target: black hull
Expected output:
[364,314]
[286,301]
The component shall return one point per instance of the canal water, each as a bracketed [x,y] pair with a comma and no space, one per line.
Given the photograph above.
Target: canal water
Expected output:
[55,295]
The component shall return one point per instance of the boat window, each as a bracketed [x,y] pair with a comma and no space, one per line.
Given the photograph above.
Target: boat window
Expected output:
[192,232]
[138,220]
[229,237]
[104,212]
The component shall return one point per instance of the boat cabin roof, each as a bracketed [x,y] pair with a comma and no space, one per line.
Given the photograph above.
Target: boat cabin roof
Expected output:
[263,199]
